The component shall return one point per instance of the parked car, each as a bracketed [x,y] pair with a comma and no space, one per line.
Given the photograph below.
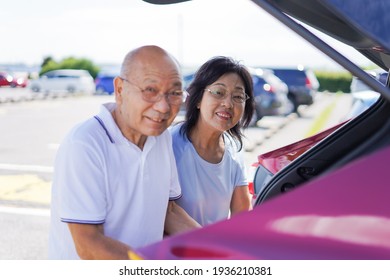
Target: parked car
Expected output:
[12,79]
[64,80]
[358,85]
[104,83]
[270,95]
[362,95]
[361,101]
[187,79]
[5,79]
[302,85]
[330,202]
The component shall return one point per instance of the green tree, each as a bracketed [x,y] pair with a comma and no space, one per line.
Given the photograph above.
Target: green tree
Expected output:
[46,61]
[334,81]
[70,63]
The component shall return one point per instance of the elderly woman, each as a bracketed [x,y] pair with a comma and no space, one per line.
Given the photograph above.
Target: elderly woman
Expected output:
[207,144]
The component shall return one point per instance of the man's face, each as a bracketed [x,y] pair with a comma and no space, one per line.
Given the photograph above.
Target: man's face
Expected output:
[139,116]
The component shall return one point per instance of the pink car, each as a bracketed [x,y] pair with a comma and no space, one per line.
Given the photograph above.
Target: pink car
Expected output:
[326,197]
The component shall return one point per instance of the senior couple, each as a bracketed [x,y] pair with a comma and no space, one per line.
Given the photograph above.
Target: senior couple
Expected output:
[126,177]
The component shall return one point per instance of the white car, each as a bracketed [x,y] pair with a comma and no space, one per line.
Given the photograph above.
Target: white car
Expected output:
[362,95]
[358,85]
[64,80]
[361,101]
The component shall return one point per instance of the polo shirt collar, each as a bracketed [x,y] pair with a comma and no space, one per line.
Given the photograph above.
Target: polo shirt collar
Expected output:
[113,132]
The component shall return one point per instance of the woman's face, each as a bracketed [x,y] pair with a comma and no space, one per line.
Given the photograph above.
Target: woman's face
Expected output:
[222,106]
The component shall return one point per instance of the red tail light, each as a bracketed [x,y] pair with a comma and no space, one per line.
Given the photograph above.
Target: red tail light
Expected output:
[308,83]
[251,188]
[268,88]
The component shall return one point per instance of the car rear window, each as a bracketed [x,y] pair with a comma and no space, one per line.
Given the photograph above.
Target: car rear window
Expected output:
[291,77]
[68,76]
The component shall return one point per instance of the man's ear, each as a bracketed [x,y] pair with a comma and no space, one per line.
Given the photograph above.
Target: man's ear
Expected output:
[118,88]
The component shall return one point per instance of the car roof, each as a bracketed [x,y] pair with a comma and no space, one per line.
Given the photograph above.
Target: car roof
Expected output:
[261,72]
[288,69]
[68,72]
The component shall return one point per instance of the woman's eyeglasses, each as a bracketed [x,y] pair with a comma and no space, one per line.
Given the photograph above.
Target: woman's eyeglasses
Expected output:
[238,97]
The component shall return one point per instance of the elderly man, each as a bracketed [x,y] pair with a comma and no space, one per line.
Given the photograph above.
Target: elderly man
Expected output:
[115,178]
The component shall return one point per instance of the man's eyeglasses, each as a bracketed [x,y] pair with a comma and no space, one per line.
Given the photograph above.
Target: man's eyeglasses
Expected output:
[238,97]
[151,94]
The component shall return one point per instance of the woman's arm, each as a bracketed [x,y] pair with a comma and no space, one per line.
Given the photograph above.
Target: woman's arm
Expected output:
[241,200]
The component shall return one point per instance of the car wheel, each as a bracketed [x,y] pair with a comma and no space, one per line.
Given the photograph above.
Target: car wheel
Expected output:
[259,115]
[294,102]
[71,89]
[35,88]
[100,91]
[256,117]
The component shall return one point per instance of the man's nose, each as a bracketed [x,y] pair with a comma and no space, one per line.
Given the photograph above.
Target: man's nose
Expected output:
[162,105]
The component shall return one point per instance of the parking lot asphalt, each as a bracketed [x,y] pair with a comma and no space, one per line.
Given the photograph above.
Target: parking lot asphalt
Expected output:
[33,190]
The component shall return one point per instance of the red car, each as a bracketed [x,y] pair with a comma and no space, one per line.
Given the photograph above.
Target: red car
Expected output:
[11,80]
[326,198]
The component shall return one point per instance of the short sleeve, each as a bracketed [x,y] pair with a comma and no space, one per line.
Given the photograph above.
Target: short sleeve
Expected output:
[241,178]
[81,184]
[175,189]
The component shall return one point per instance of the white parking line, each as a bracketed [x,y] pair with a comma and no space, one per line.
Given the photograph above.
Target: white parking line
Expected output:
[21,167]
[53,146]
[25,211]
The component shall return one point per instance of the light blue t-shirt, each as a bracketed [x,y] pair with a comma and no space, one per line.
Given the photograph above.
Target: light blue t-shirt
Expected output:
[207,188]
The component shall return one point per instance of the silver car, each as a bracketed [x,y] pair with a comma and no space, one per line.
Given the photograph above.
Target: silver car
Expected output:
[64,80]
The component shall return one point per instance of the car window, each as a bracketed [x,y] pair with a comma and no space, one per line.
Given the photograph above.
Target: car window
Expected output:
[68,76]
[272,79]
[258,80]
[291,76]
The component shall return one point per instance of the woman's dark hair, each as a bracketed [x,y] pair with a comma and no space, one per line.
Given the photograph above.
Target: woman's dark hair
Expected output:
[207,74]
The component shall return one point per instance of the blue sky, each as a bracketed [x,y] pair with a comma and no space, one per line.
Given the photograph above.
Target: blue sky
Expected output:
[104,31]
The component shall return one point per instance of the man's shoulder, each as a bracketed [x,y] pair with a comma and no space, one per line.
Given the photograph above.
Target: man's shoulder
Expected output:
[87,126]
[84,131]
[94,124]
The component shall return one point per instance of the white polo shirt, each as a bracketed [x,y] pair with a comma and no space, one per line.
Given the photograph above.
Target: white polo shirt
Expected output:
[102,178]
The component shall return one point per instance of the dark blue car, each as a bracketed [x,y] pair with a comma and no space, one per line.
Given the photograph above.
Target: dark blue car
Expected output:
[270,95]
[105,83]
